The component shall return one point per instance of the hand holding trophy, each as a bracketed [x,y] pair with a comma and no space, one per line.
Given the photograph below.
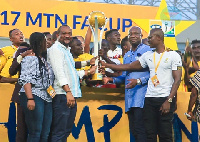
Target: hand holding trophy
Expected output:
[97,20]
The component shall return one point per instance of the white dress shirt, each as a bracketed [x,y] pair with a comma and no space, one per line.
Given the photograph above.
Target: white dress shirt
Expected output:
[63,66]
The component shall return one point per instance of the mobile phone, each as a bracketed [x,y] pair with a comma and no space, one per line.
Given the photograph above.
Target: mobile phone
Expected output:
[187,114]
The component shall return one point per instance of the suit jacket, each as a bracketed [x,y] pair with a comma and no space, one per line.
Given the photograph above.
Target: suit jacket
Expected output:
[14,68]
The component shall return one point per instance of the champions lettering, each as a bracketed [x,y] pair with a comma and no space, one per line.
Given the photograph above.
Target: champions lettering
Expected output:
[85,119]
[40,18]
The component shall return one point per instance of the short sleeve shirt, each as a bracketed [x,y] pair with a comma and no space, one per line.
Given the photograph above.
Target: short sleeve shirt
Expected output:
[169,61]
[9,51]
[5,70]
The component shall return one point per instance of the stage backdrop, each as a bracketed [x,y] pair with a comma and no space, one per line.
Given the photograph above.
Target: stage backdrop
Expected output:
[100,117]
[48,15]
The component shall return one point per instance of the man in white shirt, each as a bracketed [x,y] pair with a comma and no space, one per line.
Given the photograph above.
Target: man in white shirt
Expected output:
[165,76]
[114,53]
[66,85]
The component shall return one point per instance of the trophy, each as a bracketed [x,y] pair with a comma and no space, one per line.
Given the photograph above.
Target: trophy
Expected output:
[188,54]
[97,20]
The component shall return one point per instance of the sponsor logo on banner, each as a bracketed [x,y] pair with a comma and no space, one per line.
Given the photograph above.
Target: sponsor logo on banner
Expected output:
[168,27]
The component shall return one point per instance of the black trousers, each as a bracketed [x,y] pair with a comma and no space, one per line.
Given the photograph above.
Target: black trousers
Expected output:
[136,124]
[63,119]
[22,131]
[155,122]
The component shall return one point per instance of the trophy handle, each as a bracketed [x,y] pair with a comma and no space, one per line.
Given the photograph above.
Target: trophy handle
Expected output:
[101,32]
[95,35]
[101,35]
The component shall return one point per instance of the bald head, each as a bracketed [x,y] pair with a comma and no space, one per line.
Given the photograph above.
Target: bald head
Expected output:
[61,27]
[158,32]
[135,28]
[135,36]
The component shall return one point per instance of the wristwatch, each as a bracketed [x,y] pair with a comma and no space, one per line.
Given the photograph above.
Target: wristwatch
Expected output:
[169,100]
[139,82]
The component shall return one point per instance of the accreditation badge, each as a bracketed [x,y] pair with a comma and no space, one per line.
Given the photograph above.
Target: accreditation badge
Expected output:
[155,80]
[51,91]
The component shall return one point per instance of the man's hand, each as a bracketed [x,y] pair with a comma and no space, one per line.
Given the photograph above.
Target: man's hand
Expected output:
[102,70]
[93,69]
[188,49]
[31,104]
[103,64]
[165,108]
[107,79]
[132,83]
[70,99]
[192,116]
[92,61]
[28,53]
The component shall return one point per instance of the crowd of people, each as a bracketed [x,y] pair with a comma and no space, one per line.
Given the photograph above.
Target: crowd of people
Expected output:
[49,71]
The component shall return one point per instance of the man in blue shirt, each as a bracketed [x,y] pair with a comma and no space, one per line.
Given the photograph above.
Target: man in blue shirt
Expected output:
[136,85]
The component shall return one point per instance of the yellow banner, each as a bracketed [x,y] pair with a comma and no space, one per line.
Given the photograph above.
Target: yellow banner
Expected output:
[47,15]
[100,117]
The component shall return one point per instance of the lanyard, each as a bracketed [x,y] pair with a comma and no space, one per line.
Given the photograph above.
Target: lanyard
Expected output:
[154,60]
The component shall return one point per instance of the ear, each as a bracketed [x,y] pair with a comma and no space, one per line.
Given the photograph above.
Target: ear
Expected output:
[141,36]
[11,39]
[57,35]
[125,47]
[108,38]
[158,38]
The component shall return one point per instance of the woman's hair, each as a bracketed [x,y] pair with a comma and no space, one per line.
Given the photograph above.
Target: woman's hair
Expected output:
[37,45]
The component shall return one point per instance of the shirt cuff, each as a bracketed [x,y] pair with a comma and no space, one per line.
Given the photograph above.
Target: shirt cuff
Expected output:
[143,80]
[62,82]
[19,59]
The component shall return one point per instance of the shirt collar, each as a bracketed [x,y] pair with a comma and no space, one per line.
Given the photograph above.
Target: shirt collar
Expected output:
[66,48]
[14,47]
[130,52]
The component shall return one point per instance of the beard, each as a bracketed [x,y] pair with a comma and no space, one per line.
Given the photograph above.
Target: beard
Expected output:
[64,43]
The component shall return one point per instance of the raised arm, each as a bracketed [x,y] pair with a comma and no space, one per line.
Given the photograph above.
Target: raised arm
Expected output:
[87,40]
[193,98]
[125,67]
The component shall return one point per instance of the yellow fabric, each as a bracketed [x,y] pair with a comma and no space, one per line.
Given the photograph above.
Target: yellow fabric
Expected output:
[182,86]
[9,51]
[121,60]
[8,54]
[84,57]
[3,61]
[5,70]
